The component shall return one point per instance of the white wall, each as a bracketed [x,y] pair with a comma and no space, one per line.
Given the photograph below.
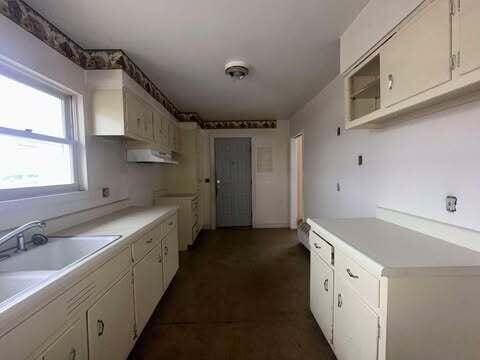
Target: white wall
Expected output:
[271,189]
[105,157]
[410,166]
[329,159]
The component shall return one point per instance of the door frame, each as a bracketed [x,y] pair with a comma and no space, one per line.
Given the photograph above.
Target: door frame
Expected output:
[294,178]
[213,200]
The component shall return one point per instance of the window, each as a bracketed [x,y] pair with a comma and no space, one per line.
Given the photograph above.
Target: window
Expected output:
[37,143]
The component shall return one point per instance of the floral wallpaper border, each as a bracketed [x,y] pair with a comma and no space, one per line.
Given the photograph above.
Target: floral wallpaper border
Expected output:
[30,20]
[240,124]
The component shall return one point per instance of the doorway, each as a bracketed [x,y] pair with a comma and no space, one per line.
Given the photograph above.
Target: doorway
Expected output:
[296,181]
[233,182]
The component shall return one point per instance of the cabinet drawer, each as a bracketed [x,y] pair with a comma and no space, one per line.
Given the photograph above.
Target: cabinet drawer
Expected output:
[367,285]
[170,224]
[72,344]
[146,243]
[321,248]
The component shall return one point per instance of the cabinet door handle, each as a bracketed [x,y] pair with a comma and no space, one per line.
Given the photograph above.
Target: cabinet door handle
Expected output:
[390,81]
[100,327]
[317,246]
[352,275]
[73,354]
[138,123]
[160,258]
[166,250]
[149,241]
[325,285]
[339,301]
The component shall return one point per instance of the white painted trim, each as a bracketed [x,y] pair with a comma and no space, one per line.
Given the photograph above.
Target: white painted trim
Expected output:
[293,183]
[453,234]
[294,180]
[213,200]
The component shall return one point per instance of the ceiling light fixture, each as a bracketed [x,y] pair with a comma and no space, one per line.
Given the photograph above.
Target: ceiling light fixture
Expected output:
[237,69]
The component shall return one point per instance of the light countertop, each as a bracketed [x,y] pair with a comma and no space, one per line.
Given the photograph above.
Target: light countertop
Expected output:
[129,224]
[397,251]
[186,196]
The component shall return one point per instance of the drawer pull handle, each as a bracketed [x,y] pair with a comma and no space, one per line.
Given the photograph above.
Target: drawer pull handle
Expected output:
[73,354]
[352,275]
[325,285]
[317,246]
[170,223]
[339,301]
[100,327]
[149,241]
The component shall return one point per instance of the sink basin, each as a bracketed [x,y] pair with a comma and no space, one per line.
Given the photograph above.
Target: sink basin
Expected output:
[13,283]
[58,253]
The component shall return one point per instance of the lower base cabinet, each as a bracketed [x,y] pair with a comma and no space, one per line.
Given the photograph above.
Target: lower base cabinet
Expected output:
[71,345]
[321,294]
[171,257]
[111,323]
[148,284]
[356,326]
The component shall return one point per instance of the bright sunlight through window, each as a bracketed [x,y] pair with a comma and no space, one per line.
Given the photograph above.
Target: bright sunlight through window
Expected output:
[36,138]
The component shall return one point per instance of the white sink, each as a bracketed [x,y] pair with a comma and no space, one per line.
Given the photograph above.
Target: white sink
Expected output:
[14,283]
[58,253]
[26,269]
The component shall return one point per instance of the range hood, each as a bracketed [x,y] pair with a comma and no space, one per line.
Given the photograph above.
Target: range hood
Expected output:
[150,156]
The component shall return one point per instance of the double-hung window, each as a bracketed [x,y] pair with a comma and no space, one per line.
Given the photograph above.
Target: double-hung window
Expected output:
[37,138]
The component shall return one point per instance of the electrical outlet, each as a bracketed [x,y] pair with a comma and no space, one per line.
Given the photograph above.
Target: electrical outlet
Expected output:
[360,160]
[338,186]
[105,192]
[451,203]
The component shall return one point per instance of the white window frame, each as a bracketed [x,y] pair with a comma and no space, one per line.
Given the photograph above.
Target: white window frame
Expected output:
[71,137]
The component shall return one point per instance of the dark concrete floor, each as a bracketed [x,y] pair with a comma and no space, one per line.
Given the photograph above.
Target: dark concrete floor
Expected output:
[239,294]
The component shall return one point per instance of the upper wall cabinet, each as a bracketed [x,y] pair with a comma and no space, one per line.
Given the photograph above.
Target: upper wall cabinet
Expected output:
[468,56]
[431,62]
[417,58]
[118,109]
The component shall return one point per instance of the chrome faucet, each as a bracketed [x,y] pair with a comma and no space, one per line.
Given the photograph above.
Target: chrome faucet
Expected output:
[18,233]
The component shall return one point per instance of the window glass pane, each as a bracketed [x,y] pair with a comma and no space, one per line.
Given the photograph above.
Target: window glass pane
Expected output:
[34,163]
[24,107]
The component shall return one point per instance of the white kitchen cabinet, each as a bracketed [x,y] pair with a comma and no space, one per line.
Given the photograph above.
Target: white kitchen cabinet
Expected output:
[170,257]
[321,294]
[188,215]
[418,57]
[429,62]
[71,345]
[356,329]
[111,323]
[139,117]
[468,55]
[160,129]
[148,285]
[398,294]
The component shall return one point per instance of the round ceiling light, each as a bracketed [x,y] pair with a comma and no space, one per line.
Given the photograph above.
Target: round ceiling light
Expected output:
[237,69]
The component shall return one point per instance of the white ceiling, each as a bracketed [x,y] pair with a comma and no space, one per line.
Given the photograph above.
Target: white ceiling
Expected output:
[182,45]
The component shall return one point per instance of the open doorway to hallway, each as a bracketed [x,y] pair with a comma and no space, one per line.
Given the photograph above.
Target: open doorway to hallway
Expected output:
[296,183]
[233,181]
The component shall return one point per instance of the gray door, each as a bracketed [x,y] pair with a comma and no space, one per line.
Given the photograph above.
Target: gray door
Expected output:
[233,170]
